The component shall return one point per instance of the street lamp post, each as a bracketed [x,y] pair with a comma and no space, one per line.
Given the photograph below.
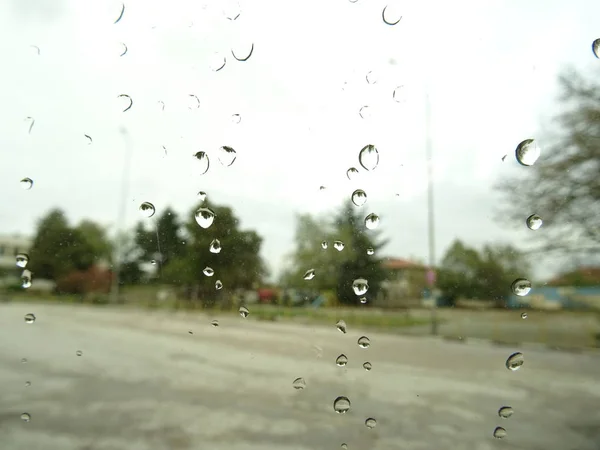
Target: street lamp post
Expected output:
[430,217]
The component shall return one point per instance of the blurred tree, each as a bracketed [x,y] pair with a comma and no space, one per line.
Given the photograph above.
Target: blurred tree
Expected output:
[169,245]
[99,244]
[128,254]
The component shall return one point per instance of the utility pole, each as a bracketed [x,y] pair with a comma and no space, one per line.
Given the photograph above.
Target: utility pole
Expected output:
[431,278]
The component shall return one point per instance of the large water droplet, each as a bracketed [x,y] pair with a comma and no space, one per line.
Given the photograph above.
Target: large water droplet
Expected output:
[218,285]
[79,353]
[26,279]
[364,342]
[227,155]
[360,286]
[505,412]
[370,251]
[147,209]
[341,405]
[390,15]
[523,315]
[21,260]
[527,152]
[534,222]
[341,325]
[341,360]
[367,366]
[521,287]
[26,183]
[368,157]
[217,62]
[29,318]
[499,433]
[324,245]
[215,246]
[309,274]
[204,162]
[372,221]
[371,423]
[596,48]
[25,417]
[202,196]
[359,197]
[205,217]
[352,172]
[515,361]
[338,245]
[364,112]
[299,383]
[208,271]
[243,311]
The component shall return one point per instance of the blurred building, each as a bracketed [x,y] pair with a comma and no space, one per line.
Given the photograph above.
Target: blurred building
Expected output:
[10,246]
[404,284]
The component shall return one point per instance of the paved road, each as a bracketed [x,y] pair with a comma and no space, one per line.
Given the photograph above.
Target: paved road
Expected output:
[144,382]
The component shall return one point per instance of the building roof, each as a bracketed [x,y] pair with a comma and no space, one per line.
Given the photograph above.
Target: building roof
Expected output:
[398,264]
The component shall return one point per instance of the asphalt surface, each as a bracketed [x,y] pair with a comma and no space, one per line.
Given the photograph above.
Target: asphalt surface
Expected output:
[144,382]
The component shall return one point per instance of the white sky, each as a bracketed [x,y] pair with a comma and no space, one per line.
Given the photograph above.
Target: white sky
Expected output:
[490,69]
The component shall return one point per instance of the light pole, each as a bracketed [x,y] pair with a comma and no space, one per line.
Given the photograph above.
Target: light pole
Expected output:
[430,217]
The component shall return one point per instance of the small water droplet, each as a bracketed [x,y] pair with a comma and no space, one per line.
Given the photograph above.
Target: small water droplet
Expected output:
[364,112]
[338,245]
[208,271]
[29,318]
[341,405]
[523,315]
[89,138]
[217,62]
[345,446]
[372,221]
[79,353]
[368,157]
[124,52]
[521,287]
[371,423]
[147,209]
[204,162]
[299,383]
[205,217]
[231,9]
[218,285]
[360,286]
[153,262]
[23,360]
[21,260]
[364,342]
[341,325]
[505,412]
[309,274]
[227,155]
[25,417]
[236,118]
[321,188]
[390,15]
[27,383]
[371,77]
[367,366]
[126,102]
[370,251]
[515,361]
[215,246]
[243,51]
[244,311]
[26,183]
[193,101]
[190,332]
[324,245]
[596,48]
[399,94]
[202,196]
[534,222]
[363,300]
[214,323]
[341,360]
[120,14]
[359,197]
[352,172]
[26,279]
[527,152]
[499,433]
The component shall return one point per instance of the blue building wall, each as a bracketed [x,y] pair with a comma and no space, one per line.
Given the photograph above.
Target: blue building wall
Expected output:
[558,298]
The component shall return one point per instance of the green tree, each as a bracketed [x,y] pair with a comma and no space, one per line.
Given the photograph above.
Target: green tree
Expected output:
[97,240]
[163,241]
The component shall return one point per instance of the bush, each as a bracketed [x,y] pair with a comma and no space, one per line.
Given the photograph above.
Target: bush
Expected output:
[92,280]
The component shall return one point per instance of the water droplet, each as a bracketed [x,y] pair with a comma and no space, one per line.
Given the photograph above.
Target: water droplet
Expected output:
[214,323]
[202,196]
[218,285]
[399,94]
[194,101]
[202,158]
[338,245]
[208,271]
[26,279]
[21,260]
[324,245]
[364,342]
[521,287]
[243,51]
[227,155]
[527,152]
[309,274]
[360,286]
[371,77]
[372,221]
[364,112]
[232,9]
[27,383]
[121,13]
[24,360]
[367,366]
[505,412]
[341,405]
[25,417]
[205,217]
[341,360]
[370,251]
[162,105]
[299,383]
[359,197]
[236,118]
[127,102]
[371,423]
[153,262]
[499,432]
[368,157]
[345,446]
[363,300]
[534,222]
[79,353]
[322,188]
[341,325]
[390,16]
[352,172]
[26,183]
[217,62]
[147,209]
[89,138]
[215,246]
[29,318]
[515,361]
[596,48]
[36,48]
[124,52]
[243,311]
[523,315]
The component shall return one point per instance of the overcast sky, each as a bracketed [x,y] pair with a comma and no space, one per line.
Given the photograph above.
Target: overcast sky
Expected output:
[490,69]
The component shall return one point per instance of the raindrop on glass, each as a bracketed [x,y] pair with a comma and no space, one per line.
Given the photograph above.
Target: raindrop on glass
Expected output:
[204,162]
[25,417]
[341,405]
[309,274]
[89,139]
[367,366]
[153,262]
[515,361]
[227,155]
[243,51]
[26,279]
[21,260]
[371,77]
[368,157]
[364,112]
[527,152]
[243,311]
[124,52]
[215,246]
[399,94]
[390,16]
[79,353]
[29,318]
[352,172]
[299,383]
[214,323]
[125,101]
[208,271]
[193,101]
[372,221]
[505,412]
[27,383]
[534,222]
[521,287]
[147,209]
[364,342]
[359,197]
[218,285]
[322,188]
[217,62]
[596,48]
[341,325]
[360,286]
[345,446]
[23,360]
[205,217]
[324,245]
[338,245]
[363,300]
[370,251]
[371,423]
[341,360]
[202,196]
[120,14]
[236,118]
[231,9]
[499,432]
[523,315]
[26,183]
